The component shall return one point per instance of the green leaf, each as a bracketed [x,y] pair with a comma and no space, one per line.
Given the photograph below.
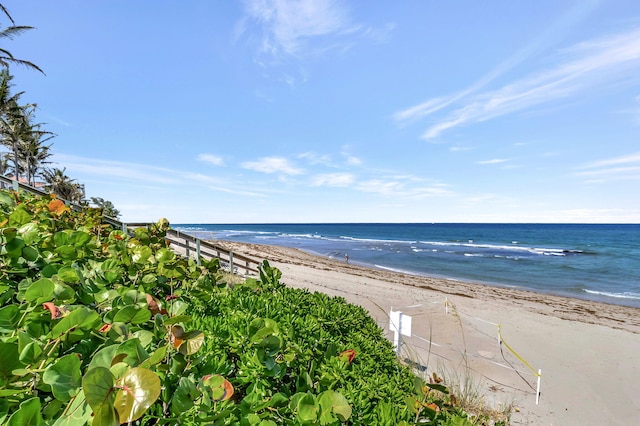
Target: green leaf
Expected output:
[156,357]
[28,414]
[111,270]
[133,352]
[9,317]
[79,238]
[337,403]
[30,254]
[181,400]
[165,255]
[7,199]
[40,291]
[66,252]
[178,307]
[77,413]
[68,274]
[20,216]
[193,341]
[139,389]
[175,320]
[14,248]
[132,314]
[98,386]
[141,254]
[308,408]
[61,238]
[30,233]
[104,357]
[9,361]
[30,353]
[81,318]
[64,376]
[63,292]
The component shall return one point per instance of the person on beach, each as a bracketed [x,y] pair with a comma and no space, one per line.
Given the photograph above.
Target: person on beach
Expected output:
[346,257]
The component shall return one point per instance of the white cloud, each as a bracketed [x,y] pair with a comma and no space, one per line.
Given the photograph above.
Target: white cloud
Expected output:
[380,186]
[626,159]
[626,167]
[314,158]
[273,165]
[493,161]
[289,25]
[333,179]
[353,161]
[584,67]
[116,170]
[210,158]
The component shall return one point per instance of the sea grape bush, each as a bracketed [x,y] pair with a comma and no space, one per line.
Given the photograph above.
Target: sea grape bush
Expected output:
[102,327]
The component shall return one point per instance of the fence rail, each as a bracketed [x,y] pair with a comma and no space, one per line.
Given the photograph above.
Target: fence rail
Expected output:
[182,243]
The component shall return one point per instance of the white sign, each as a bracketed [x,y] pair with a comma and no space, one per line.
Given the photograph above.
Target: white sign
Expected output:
[399,322]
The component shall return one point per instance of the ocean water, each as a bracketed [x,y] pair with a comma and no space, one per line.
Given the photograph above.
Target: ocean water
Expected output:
[595,262]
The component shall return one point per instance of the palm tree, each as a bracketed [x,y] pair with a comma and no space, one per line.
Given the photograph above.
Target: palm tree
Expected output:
[15,129]
[63,186]
[33,153]
[108,209]
[13,30]
[25,140]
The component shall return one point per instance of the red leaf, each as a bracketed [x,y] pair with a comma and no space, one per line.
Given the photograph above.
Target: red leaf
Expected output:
[55,311]
[57,207]
[105,328]
[349,354]
[154,307]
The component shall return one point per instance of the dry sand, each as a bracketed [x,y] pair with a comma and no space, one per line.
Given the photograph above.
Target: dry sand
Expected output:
[589,352]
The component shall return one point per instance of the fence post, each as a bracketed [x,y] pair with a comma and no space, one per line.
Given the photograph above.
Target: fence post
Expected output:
[397,339]
[187,247]
[538,387]
[231,262]
[198,251]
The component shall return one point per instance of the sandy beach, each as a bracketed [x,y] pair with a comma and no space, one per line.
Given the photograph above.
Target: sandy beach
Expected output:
[588,352]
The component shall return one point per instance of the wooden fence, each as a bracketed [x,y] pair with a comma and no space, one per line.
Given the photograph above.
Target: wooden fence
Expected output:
[183,244]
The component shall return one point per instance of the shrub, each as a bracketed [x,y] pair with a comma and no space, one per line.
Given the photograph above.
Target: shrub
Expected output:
[104,327]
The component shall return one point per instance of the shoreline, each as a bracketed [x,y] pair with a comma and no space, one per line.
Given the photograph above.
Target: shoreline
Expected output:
[574,309]
[595,297]
[586,350]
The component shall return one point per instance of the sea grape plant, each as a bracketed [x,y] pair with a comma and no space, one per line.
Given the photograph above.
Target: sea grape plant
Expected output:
[105,327]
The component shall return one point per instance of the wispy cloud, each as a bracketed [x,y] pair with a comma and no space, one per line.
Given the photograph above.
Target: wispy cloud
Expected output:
[288,26]
[493,161]
[212,159]
[273,165]
[315,158]
[333,179]
[407,187]
[135,175]
[117,170]
[612,169]
[583,67]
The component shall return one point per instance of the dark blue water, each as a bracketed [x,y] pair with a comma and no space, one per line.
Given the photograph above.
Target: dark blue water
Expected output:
[596,262]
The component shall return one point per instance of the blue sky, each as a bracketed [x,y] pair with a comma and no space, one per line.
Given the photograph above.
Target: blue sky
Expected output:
[342,111]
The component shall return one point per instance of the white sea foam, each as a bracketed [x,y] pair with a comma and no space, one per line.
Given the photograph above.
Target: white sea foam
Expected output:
[547,251]
[625,295]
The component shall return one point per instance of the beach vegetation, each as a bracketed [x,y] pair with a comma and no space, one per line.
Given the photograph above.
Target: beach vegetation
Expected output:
[100,326]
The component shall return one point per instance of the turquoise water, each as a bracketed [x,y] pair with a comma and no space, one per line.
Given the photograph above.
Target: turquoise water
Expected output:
[596,262]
